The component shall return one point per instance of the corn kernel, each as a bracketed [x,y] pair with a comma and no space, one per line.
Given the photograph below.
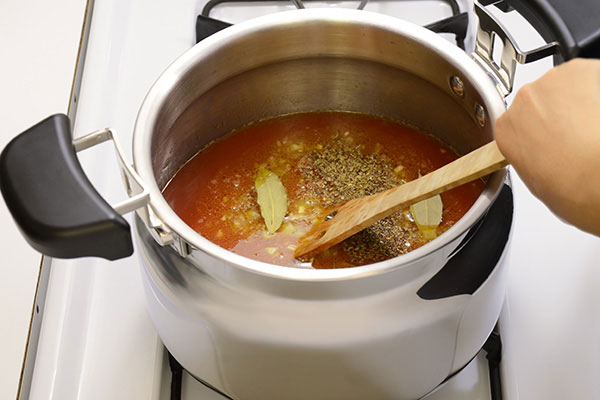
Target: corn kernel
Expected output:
[271,250]
[287,228]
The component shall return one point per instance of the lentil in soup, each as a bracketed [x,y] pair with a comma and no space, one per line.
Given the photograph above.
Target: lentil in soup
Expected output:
[310,162]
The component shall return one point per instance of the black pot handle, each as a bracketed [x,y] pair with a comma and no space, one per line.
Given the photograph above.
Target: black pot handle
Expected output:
[574,24]
[52,201]
[477,255]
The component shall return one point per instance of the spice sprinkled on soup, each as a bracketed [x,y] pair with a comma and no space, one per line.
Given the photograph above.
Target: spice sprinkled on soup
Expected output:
[259,189]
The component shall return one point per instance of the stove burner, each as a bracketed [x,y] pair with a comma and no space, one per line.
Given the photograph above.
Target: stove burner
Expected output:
[457,24]
[492,347]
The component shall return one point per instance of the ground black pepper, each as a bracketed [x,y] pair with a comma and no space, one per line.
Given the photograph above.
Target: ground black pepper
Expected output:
[342,171]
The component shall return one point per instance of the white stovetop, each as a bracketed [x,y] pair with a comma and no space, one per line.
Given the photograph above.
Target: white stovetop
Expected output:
[550,324]
[39,41]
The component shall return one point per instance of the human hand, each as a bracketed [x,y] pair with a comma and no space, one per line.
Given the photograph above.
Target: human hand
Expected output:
[551,136]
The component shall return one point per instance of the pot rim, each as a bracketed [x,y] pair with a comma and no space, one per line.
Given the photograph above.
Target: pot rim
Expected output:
[168,80]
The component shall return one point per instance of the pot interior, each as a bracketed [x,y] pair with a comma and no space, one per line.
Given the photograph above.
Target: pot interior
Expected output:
[235,78]
[313,60]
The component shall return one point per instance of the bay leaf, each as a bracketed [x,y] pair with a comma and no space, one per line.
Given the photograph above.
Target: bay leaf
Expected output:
[428,215]
[271,198]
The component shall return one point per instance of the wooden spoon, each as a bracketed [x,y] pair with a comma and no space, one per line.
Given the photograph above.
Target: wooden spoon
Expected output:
[355,215]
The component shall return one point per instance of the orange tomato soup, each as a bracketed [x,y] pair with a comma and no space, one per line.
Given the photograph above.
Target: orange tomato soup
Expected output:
[321,158]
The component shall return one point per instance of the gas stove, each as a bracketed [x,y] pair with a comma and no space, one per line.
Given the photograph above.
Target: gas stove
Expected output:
[96,339]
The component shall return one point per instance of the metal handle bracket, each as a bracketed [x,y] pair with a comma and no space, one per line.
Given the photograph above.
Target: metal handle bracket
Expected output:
[489,29]
[139,195]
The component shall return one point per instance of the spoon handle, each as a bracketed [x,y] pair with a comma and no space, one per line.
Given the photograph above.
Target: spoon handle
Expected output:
[357,214]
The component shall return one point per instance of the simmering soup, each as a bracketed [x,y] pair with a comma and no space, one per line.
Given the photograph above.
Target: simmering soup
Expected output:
[257,190]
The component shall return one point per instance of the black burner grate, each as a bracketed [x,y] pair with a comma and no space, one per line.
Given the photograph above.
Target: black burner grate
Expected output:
[493,348]
[457,24]
[177,380]
[300,4]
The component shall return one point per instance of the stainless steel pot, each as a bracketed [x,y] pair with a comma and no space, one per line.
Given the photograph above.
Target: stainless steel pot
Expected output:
[394,329]
[273,332]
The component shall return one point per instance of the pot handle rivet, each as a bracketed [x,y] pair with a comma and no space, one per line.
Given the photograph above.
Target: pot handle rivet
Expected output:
[457,85]
[480,115]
